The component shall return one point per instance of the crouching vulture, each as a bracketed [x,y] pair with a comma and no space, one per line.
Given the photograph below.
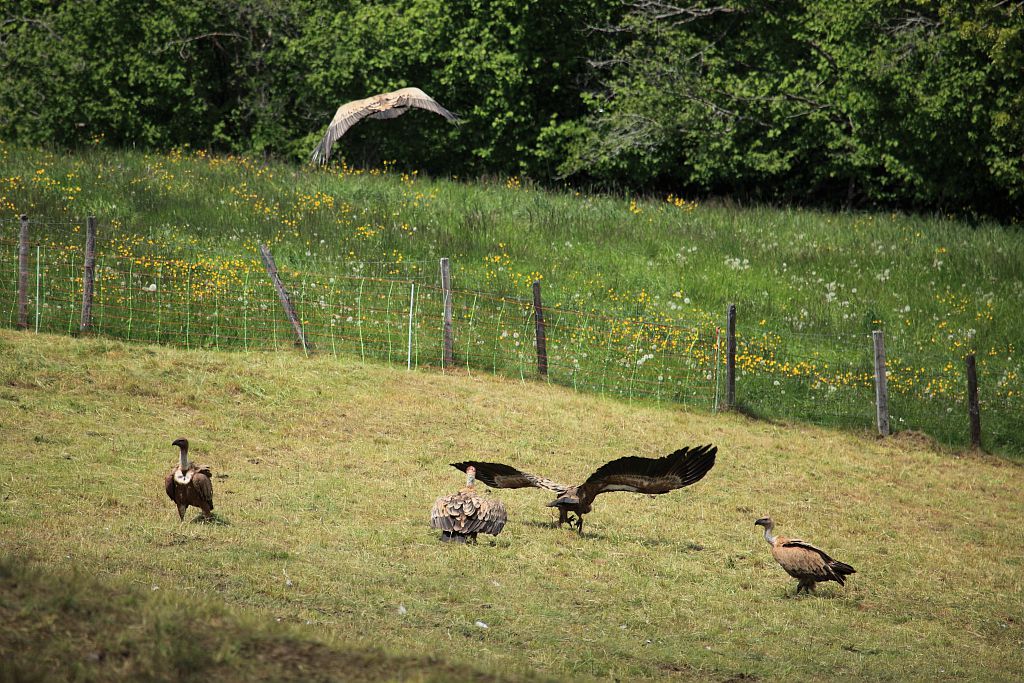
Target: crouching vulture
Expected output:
[803,561]
[461,516]
[387,105]
[189,483]
[631,473]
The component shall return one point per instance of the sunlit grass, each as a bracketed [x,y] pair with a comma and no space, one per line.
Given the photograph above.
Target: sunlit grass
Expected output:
[325,471]
[637,274]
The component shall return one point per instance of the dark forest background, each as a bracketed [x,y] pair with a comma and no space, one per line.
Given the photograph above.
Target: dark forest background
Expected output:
[914,105]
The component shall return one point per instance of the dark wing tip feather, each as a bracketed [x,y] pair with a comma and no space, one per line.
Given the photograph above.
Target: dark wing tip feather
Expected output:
[488,471]
[842,568]
[689,464]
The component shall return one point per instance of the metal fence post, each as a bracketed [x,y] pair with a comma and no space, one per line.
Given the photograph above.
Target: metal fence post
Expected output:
[881,384]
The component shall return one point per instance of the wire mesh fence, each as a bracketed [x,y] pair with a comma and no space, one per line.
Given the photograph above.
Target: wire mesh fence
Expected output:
[383,313]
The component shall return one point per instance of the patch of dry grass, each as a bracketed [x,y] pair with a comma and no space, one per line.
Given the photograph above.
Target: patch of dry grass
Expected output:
[326,471]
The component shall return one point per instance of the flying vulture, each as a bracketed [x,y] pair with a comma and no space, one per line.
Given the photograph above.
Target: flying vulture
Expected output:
[189,483]
[387,105]
[632,473]
[461,516]
[803,561]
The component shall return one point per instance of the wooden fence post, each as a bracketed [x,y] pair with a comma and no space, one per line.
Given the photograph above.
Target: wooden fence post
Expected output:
[446,289]
[542,344]
[89,274]
[286,301]
[23,274]
[973,409]
[881,384]
[730,359]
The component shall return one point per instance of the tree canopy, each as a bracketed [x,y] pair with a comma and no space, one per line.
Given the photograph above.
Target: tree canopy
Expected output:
[903,103]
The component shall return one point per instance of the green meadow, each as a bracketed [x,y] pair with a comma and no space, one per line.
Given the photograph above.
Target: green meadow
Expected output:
[635,288]
[320,564]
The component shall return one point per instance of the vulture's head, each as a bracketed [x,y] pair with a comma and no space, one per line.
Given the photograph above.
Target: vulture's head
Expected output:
[766,522]
[180,443]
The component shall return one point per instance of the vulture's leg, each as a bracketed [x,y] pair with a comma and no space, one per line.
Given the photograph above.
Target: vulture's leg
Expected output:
[563,517]
[181,511]
[579,524]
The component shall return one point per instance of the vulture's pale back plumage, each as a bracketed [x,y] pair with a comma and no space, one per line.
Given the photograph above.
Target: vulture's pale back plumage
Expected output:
[387,105]
[463,515]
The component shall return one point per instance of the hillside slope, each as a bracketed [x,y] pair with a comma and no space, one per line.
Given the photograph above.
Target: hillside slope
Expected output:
[326,473]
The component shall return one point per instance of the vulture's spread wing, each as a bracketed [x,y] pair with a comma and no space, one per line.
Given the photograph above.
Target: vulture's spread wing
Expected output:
[384,106]
[652,475]
[499,476]
[414,97]
[347,116]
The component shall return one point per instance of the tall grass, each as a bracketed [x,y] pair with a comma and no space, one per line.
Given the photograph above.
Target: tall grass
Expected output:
[628,273]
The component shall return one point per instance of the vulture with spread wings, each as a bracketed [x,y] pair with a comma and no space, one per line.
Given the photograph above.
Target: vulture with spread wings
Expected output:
[632,473]
[387,105]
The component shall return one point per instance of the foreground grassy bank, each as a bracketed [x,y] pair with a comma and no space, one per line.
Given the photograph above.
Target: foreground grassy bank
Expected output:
[326,471]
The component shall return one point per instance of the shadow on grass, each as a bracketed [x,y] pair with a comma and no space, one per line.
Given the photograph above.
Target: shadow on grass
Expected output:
[214,519]
[66,625]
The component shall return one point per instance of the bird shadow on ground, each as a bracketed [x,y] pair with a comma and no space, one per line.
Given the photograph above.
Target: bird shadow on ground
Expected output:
[816,595]
[551,526]
[213,519]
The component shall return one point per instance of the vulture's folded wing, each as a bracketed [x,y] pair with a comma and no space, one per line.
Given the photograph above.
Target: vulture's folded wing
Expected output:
[810,555]
[652,475]
[499,476]
[203,484]
[468,513]
[169,484]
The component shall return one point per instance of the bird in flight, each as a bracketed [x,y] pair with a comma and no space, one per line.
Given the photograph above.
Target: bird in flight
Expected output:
[387,105]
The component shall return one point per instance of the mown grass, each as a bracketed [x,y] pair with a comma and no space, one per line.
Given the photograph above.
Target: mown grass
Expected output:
[325,473]
[809,286]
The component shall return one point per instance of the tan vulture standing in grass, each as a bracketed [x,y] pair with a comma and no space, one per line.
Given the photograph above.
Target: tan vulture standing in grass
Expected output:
[463,515]
[387,105]
[803,561]
[189,483]
[632,473]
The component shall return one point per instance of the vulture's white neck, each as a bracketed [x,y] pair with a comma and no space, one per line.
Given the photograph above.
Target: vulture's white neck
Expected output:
[183,458]
[470,480]
[768,535]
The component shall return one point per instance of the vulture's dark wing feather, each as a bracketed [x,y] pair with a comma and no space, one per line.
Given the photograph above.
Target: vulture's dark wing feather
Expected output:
[652,475]
[499,476]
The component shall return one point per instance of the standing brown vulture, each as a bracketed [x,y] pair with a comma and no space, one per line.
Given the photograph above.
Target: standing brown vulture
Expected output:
[189,483]
[632,473]
[803,561]
[461,516]
[387,105]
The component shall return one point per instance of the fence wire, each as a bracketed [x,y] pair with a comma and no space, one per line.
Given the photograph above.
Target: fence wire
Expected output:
[393,312]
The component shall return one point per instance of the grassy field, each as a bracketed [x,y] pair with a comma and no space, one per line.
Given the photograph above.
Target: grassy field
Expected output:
[638,286]
[321,564]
